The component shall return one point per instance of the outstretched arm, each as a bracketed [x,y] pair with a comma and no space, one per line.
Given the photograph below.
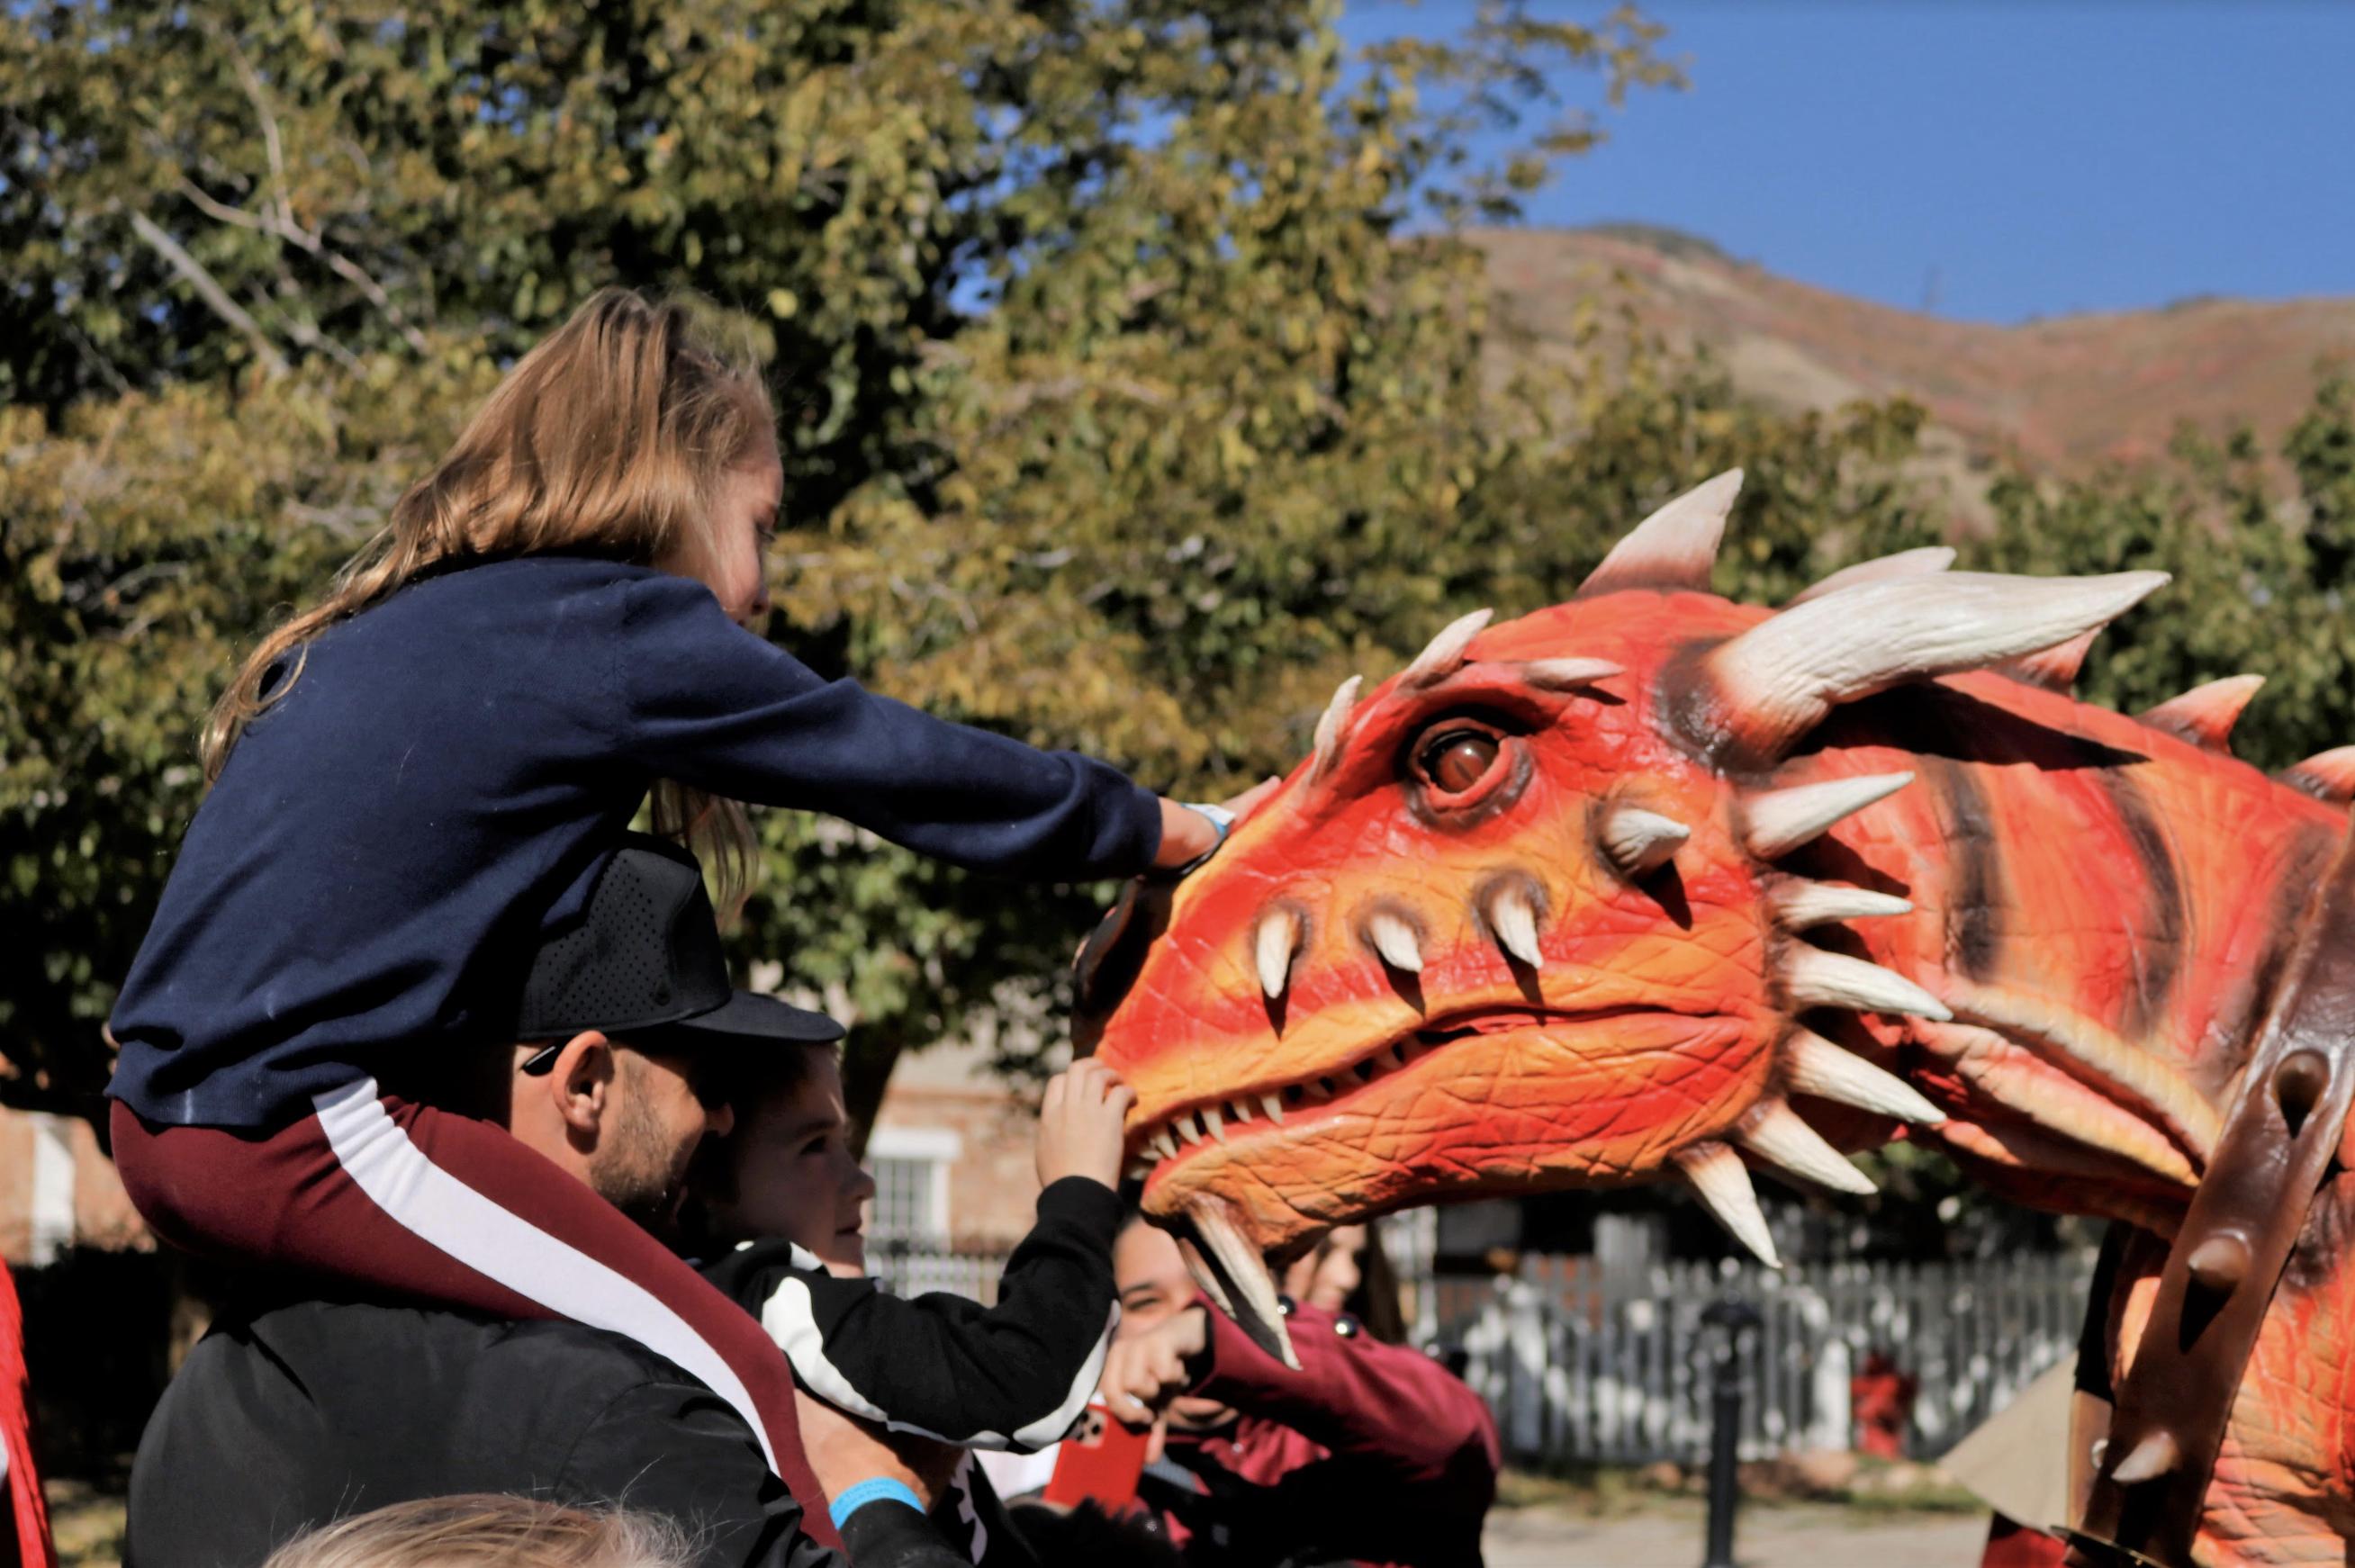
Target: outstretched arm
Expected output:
[1387,1405]
[1010,1376]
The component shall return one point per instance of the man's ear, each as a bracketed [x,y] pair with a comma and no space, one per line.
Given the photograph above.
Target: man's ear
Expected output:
[581,1084]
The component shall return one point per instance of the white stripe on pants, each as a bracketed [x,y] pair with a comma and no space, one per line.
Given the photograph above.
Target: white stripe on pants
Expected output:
[451,1216]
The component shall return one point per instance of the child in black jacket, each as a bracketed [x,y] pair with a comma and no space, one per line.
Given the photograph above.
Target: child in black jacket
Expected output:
[1015,1375]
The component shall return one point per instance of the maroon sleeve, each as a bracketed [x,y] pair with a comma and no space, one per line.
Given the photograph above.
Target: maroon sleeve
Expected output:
[1386,1405]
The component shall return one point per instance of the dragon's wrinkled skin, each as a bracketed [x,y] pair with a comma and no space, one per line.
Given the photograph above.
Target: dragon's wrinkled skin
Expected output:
[1655,886]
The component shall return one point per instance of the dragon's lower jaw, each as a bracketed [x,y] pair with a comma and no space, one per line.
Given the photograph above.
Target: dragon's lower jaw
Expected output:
[1573,1099]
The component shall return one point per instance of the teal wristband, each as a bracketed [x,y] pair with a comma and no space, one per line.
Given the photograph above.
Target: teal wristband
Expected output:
[1219,817]
[883,1489]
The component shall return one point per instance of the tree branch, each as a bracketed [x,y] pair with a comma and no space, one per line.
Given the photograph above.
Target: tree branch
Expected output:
[252,82]
[208,289]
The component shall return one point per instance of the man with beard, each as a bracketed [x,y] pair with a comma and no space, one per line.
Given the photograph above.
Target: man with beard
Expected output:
[301,1409]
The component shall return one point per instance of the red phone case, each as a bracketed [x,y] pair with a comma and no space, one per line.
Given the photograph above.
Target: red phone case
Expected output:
[1101,1460]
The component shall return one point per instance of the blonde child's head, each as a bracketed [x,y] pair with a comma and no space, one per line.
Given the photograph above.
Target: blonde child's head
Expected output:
[635,432]
[488,1531]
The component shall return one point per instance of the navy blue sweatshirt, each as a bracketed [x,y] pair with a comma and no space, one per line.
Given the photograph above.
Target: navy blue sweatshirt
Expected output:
[373,869]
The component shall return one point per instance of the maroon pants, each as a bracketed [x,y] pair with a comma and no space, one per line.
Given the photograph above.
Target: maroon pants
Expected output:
[440,1207]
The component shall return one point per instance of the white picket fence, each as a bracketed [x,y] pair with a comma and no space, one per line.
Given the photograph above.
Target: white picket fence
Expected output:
[1587,1365]
[914,1269]
[1618,1370]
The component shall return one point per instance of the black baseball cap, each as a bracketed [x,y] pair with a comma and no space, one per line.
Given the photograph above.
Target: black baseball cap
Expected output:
[643,964]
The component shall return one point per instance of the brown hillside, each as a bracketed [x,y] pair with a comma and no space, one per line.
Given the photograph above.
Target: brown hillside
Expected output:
[2061,395]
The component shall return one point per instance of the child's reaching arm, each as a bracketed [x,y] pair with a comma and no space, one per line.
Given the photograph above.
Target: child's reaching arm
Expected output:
[1015,1375]
[699,699]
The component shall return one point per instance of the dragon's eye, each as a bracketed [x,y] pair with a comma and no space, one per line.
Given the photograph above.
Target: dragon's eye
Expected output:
[1459,758]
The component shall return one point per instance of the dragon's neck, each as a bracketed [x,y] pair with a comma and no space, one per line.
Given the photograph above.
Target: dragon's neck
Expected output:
[2105,909]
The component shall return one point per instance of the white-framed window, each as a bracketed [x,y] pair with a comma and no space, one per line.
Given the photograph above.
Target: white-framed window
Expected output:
[910,1167]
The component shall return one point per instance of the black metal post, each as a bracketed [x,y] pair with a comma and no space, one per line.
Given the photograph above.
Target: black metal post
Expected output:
[1730,1315]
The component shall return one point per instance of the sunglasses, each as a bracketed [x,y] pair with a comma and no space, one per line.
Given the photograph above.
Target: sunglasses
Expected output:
[705,1080]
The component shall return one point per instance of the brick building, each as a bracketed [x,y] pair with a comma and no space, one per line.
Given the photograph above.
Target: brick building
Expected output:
[951,1154]
[58,1191]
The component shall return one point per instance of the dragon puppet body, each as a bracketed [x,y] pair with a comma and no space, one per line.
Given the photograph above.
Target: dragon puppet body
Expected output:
[1653,886]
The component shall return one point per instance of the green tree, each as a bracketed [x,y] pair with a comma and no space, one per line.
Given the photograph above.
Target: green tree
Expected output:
[259,264]
[2260,569]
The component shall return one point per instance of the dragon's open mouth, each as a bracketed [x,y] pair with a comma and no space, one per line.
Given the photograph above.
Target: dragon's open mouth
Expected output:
[1173,1136]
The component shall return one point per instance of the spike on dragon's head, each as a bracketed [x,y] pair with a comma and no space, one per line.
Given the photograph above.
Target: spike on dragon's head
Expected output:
[1516,922]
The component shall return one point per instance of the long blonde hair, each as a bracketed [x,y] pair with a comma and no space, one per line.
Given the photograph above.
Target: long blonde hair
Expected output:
[610,438]
[489,1531]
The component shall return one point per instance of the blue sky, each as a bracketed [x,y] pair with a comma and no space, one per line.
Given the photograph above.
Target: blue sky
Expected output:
[1993,160]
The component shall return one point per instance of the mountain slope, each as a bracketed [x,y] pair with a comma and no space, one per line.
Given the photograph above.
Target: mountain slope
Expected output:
[2060,396]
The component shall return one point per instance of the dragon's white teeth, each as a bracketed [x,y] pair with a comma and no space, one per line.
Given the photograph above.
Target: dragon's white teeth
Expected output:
[1329,728]
[1255,1306]
[1514,919]
[2205,715]
[1880,568]
[1778,821]
[1197,1265]
[1138,1169]
[1798,905]
[1638,840]
[1674,547]
[1238,1110]
[1395,940]
[1273,944]
[1187,1130]
[1273,1103]
[1721,1182]
[1818,1067]
[1777,680]
[1568,674]
[1215,1122]
[1444,655]
[1815,979]
[1162,1143]
[1780,1136]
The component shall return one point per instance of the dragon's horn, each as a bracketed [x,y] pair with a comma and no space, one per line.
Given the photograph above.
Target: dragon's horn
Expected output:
[1780,1136]
[2054,669]
[1672,548]
[1510,909]
[1815,1066]
[1274,943]
[1721,1182]
[2205,714]
[1775,682]
[1815,979]
[1799,904]
[2330,775]
[1390,936]
[1445,656]
[1638,840]
[1880,568]
[1567,674]
[1328,727]
[1778,821]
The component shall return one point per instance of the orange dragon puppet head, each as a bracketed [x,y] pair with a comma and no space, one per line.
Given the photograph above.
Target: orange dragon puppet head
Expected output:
[1555,906]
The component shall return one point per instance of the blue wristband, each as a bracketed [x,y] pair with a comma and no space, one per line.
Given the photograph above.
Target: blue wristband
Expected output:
[883,1489]
[1219,817]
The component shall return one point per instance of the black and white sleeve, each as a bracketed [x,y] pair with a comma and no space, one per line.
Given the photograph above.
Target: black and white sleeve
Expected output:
[1015,1375]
